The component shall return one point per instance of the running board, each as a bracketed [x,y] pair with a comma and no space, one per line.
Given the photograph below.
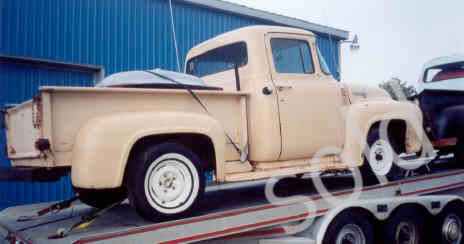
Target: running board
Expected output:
[263,174]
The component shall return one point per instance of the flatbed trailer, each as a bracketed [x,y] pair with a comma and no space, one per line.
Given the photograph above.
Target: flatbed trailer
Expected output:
[250,219]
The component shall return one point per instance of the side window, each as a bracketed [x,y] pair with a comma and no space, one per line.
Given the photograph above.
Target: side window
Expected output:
[292,56]
[218,60]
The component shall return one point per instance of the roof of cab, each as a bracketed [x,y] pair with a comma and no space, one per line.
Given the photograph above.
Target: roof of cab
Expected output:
[242,34]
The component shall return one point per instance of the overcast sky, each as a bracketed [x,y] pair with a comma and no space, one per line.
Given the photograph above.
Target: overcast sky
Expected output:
[396,36]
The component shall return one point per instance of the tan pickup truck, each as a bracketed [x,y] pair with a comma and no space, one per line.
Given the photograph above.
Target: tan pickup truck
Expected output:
[255,103]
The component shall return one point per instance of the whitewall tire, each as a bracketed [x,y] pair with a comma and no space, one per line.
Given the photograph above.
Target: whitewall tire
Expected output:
[166,182]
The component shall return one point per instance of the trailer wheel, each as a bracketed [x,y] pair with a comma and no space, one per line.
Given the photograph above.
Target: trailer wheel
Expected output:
[166,182]
[450,222]
[350,227]
[405,226]
[381,158]
[101,198]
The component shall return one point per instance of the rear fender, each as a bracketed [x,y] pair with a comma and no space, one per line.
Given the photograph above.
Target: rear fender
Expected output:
[102,146]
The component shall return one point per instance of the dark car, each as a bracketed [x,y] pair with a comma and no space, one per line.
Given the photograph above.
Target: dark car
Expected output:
[441,98]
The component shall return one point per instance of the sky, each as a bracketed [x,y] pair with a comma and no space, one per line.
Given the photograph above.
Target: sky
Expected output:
[396,37]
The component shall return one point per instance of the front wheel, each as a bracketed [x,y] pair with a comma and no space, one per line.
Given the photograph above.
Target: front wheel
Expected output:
[166,182]
[380,159]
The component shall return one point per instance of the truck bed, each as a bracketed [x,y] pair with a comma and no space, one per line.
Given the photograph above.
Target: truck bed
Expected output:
[58,113]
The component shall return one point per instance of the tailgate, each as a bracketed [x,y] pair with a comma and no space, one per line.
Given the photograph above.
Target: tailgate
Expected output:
[23,128]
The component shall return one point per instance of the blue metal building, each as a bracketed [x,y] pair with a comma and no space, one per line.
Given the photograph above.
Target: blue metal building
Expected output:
[76,42]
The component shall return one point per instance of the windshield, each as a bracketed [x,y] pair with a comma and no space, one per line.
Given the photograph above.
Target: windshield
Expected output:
[323,63]
[444,72]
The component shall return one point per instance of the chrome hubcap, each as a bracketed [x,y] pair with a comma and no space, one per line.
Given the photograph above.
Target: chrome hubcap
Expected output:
[171,183]
[381,157]
[351,234]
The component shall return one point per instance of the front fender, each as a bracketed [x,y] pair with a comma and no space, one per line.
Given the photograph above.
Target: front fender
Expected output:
[102,146]
[360,117]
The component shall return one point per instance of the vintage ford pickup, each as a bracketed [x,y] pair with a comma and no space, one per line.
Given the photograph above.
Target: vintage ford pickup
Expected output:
[255,103]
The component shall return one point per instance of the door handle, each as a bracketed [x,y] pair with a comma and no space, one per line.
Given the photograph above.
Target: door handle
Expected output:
[282,87]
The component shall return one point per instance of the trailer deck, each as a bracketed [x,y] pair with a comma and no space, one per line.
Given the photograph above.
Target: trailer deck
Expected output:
[228,215]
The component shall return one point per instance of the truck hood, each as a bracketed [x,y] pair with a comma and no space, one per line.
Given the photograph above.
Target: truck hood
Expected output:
[360,93]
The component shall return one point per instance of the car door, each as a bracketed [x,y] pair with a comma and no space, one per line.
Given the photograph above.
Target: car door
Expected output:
[309,101]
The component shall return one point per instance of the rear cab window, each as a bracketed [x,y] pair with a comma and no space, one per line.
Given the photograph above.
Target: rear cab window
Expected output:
[292,56]
[218,60]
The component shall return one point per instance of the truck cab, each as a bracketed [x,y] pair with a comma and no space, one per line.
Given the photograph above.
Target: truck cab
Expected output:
[290,88]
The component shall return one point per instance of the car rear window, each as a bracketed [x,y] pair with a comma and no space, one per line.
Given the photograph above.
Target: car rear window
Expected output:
[445,72]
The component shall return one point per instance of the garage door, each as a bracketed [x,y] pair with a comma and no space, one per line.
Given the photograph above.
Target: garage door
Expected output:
[19,82]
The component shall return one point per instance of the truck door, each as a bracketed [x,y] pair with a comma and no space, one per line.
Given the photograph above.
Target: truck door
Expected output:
[309,101]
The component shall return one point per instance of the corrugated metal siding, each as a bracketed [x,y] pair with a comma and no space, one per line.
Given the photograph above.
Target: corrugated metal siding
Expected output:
[330,50]
[116,34]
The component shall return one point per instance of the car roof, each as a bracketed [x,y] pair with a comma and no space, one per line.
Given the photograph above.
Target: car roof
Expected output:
[444,60]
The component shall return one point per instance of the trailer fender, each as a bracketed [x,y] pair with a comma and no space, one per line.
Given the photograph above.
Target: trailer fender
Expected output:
[360,117]
[102,146]
[381,209]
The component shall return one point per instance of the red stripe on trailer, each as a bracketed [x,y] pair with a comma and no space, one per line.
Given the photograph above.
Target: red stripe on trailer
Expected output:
[175,223]
[237,229]
[433,189]
[445,142]
[257,233]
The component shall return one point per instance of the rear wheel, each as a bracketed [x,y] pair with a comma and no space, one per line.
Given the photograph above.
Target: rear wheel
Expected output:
[380,159]
[166,182]
[101,198]
[350,228]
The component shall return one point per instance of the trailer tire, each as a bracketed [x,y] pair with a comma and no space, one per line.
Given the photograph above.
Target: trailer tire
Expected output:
[101,198]
[381,158]
[165,182]
[406,225]
[450,222]
[350,224]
